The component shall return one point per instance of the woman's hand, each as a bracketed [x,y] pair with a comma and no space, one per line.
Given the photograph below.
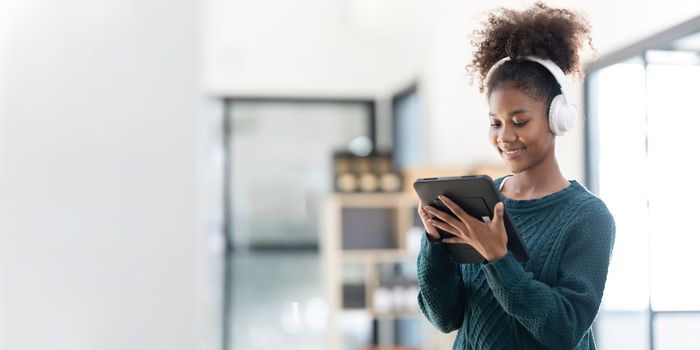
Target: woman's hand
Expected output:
[489,239]
[429,228]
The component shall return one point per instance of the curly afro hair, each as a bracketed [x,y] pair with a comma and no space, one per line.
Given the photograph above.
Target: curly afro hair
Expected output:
[555,34]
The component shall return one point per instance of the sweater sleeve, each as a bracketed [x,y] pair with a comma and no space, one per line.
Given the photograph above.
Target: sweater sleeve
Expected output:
[558,316]
[441,289]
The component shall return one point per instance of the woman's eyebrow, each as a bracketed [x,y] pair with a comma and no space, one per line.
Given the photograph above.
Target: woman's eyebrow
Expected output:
[511,113]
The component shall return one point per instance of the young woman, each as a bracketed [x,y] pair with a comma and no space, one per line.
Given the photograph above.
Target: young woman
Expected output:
[550,301]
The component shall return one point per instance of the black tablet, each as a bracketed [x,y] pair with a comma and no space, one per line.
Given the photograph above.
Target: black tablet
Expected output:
[476,195]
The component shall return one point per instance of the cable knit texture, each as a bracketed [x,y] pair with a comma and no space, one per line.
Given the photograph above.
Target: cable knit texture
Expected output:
[548,302]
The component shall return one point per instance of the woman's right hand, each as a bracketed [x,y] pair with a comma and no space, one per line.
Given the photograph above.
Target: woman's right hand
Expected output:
[429,228]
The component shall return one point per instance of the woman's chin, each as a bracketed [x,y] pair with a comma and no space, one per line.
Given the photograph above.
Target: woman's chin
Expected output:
[514,167]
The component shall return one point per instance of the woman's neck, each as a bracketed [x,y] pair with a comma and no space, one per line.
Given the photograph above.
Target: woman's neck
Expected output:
[540,180]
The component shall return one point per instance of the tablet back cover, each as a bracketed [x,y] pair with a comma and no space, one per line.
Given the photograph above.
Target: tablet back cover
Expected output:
[477,195]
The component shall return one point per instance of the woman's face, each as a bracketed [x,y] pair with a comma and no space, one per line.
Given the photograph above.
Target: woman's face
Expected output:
[519,129]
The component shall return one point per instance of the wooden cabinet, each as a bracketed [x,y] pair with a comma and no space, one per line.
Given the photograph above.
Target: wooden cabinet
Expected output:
[369,249]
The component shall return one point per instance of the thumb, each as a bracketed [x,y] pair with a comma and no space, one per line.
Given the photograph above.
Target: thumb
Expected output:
[498,214]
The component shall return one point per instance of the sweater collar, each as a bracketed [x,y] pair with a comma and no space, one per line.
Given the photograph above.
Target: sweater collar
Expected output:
[541,202]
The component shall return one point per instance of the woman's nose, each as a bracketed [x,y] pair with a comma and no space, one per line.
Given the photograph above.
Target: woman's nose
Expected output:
[506,134]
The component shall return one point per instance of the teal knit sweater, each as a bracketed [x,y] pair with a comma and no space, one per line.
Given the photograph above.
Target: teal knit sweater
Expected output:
[549,302]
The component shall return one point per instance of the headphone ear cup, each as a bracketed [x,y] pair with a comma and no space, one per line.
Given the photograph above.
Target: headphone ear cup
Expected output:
[562,116]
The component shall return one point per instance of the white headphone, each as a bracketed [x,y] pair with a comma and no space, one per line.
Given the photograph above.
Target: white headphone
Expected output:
[562,113]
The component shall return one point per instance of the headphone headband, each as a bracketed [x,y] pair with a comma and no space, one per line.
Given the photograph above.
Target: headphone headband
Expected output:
[552,67]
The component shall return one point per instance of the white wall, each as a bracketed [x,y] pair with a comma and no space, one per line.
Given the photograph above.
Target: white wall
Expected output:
[101,240]
[309,47]
[369,48]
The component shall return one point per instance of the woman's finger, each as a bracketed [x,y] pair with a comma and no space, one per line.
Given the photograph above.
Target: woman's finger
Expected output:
[443,216]
[445,227]
[429,228]
[454,240]
[423,213]
[457,210]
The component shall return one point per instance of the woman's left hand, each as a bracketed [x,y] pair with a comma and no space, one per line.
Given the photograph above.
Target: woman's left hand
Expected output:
[489,239]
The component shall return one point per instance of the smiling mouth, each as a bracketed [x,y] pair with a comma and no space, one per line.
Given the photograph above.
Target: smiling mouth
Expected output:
[512,153]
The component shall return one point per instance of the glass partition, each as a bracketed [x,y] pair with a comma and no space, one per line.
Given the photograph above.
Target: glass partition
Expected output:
[279,171]
[641,161]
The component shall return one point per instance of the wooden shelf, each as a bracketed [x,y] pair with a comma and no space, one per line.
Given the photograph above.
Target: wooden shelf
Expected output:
[400,219]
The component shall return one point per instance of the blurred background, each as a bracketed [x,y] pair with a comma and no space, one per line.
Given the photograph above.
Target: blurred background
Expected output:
[237,174]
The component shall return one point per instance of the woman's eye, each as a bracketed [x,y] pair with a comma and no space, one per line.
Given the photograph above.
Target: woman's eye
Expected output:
[520,123]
